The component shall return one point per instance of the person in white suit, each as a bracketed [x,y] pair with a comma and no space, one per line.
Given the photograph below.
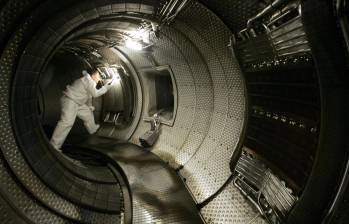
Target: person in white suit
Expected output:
[77,101]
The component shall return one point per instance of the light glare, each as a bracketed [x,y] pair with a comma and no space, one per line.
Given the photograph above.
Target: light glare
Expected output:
[133,45]
[140,34]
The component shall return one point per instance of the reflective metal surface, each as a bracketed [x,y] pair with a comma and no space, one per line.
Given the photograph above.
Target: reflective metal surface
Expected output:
[158,194]
[287,89]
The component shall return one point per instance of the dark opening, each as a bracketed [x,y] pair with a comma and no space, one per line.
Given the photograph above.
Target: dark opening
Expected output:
[161,93]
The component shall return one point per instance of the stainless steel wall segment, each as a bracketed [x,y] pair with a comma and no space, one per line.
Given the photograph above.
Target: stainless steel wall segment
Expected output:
[14,157]
[293,56]
[33,53]
[229,104]
[232,204]
[217,101]
[45,204]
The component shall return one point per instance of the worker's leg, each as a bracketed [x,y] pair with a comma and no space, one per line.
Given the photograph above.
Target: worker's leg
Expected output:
[86,114]
[68,114]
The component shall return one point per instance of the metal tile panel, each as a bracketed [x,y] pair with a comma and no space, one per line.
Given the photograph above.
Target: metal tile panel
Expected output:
[211,100]
[227,11]
[228,115]
[230,206]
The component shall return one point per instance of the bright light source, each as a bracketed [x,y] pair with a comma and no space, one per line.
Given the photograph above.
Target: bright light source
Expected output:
[96,54]
[141,34]
[133,45]
[115,73]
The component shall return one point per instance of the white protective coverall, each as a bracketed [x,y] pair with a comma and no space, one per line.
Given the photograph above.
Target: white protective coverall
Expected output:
[77,101]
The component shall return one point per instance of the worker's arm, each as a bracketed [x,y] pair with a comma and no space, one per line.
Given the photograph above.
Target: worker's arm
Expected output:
[91,88]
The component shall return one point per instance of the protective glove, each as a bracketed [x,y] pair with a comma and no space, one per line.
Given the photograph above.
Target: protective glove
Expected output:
[100,84]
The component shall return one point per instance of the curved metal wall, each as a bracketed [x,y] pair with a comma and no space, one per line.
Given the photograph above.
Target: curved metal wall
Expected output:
[30,192]
[210,114]
[211,100]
